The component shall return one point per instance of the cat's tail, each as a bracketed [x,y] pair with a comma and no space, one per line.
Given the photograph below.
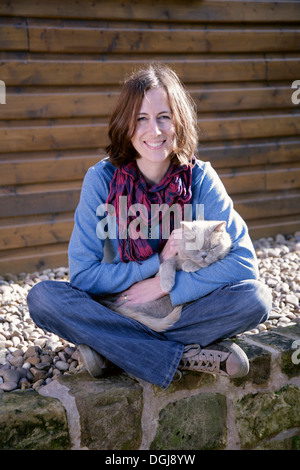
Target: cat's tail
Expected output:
[156,324]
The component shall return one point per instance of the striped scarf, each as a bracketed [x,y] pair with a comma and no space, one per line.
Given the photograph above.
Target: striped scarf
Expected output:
[174,188]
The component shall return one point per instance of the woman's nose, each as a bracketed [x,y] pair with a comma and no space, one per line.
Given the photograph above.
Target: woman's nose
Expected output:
[154,127]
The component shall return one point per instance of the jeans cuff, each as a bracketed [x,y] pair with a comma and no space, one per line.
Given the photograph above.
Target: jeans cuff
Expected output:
[173,367]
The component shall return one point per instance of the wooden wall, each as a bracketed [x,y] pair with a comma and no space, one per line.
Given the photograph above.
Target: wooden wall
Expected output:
[62,63]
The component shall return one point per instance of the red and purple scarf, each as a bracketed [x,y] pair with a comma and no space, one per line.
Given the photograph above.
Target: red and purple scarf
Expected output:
[174,188]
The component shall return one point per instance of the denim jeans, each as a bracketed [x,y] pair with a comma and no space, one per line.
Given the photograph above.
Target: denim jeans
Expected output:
[76,316]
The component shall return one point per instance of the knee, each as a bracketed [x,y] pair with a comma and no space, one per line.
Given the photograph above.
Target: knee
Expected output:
[38,297]
[260,299]
[36,293]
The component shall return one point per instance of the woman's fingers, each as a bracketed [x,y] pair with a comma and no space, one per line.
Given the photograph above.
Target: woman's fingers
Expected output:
[171,247]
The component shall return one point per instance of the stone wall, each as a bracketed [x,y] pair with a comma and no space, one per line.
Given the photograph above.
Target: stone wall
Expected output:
[201,411]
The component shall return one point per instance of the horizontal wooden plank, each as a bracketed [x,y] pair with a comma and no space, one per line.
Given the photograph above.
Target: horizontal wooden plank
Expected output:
[32,259]
[13,34]
[59,134]
[37,102]
[59,69]
[54,198]
[45,231]
[48,169]
[119,38]
[250,152]
[228,126]
[158,10]
[34,219]
[287,225]
[269,204]
[261,178]
[241,96]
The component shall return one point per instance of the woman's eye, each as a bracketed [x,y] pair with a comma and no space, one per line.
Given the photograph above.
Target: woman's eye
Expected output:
[163,117]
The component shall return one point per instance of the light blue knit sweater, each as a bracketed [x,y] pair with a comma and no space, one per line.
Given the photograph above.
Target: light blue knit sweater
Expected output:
[95,265]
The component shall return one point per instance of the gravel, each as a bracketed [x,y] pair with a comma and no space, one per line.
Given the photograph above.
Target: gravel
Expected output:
[31,357]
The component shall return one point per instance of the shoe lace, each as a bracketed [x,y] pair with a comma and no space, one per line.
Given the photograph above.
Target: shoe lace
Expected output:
[195,358]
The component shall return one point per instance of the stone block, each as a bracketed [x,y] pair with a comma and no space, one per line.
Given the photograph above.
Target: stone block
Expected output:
[260,364]
[194,423]
[110,410]
[291,330]
[31,422]
[262,415]
[190,380]
[284,344]
[282,442]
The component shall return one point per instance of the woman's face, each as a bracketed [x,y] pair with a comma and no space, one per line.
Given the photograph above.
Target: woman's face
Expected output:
[154,135]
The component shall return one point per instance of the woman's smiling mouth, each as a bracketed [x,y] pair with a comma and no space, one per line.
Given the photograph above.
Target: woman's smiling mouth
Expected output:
[154,145]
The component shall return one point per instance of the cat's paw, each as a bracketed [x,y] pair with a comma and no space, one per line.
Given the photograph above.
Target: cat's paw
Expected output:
[189,266]
[166,284]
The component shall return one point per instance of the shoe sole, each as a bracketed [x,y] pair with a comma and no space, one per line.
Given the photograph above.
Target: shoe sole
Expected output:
[94,362]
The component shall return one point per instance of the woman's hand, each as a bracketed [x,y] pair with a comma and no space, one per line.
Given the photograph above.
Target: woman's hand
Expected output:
[142,292]
[171,247]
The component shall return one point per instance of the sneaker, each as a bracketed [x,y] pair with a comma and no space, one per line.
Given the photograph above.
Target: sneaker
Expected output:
[223,357]
[93,361]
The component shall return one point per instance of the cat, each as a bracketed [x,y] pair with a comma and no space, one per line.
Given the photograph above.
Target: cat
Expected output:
[203,242]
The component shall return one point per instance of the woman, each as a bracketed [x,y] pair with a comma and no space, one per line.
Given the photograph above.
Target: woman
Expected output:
[151,161]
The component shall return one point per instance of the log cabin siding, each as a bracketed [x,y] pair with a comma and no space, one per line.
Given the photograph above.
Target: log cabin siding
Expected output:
[62,64]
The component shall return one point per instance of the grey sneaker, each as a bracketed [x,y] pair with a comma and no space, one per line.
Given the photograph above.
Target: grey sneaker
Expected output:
[223,357]
[93,361]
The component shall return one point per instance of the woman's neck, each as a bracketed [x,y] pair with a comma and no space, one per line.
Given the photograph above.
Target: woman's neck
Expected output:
[153,172]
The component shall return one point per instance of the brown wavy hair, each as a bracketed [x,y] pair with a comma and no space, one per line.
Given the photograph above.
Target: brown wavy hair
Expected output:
[124,118]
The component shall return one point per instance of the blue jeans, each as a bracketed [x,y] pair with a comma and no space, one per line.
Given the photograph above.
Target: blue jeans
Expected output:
[76,316]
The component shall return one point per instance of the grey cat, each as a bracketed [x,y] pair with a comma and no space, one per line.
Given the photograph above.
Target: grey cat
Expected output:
[203,242]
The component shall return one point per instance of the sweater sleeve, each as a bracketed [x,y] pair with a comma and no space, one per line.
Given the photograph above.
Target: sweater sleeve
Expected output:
[239,264]
[88,269]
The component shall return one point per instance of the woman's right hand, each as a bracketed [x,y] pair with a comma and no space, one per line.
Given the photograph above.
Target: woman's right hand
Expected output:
[171,247]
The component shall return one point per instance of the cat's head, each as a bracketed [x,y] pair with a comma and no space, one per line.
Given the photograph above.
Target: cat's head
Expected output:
[202,235]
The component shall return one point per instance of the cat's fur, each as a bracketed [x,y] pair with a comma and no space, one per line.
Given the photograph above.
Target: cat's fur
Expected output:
[203,242]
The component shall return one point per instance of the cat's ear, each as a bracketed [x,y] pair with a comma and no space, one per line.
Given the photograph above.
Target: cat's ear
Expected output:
[187,229]
[185,224]
[221,227]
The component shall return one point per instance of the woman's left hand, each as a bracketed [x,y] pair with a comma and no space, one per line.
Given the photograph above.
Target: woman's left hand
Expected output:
[142,292]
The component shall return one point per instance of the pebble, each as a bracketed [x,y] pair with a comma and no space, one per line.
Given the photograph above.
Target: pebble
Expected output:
[30,357]
[278,262]
[8,386]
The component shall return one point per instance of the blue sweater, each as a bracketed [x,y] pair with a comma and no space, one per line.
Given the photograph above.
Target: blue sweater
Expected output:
[95,265]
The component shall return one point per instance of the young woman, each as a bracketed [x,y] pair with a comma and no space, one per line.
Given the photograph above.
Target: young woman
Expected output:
[151,161]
